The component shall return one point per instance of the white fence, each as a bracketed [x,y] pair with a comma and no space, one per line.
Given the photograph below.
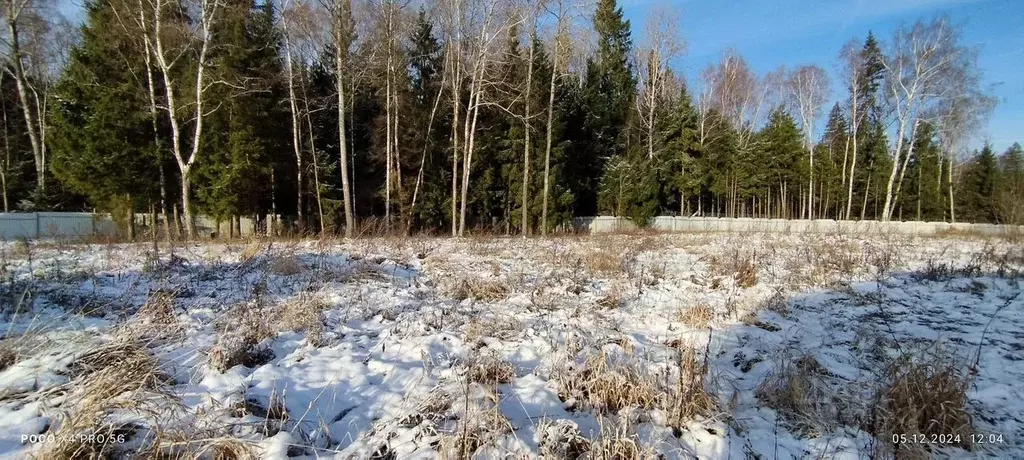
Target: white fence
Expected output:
[606,224]
[42,225]
[34,225]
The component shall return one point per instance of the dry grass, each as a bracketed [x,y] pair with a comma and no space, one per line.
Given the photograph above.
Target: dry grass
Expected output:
[286,265]
[699,316]
[502,327]
[741,267]
[304,313]
[114,386]
[477,289]
[252,249]
[607,385]
[798,392]
[8,354]
[689,398]
[481,425]
[603,262]
[924,395]
[239,333]
[489,369]
[619,441]
[562,439]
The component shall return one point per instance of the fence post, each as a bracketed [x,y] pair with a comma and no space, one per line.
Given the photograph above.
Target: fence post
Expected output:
[37,225]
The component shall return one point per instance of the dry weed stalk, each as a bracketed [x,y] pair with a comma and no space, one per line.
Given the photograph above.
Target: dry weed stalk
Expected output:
[690,398]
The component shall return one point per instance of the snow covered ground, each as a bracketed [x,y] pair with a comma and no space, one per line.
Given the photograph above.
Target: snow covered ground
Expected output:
[618,346]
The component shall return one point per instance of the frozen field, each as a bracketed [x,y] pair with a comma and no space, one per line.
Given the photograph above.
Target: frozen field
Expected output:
[622,346]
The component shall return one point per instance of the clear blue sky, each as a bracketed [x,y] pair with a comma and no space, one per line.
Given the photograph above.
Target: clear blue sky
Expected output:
[795,32]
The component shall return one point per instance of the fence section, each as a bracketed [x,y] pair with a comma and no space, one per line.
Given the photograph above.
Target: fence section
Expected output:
[35,225]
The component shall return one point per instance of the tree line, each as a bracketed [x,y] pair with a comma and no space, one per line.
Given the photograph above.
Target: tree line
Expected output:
[452,115]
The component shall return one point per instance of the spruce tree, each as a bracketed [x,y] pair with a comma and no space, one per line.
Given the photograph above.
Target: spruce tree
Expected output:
[609,90]
[101,133]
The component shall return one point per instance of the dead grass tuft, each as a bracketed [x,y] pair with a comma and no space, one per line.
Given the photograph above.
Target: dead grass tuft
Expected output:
[113,386]
[477,289]
[239,334]
[479,427]
[699,316]
[798,392]
[502,327]
[689,398]
[603,262]
[8,355]
[620,441]
[925,396]
[606,385]
[562,439]
[286,265]
[490,369]
[252,249]
[303,314]
[741,267]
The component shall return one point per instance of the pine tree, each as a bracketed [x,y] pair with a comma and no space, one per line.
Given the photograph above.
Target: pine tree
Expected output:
[833,150]
[101,133]
[1009,207]
[609,90]
[979,188]
[245,140]
[680,139]
[429,126]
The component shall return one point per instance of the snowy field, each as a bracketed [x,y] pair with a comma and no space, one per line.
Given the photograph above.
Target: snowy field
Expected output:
[622,346]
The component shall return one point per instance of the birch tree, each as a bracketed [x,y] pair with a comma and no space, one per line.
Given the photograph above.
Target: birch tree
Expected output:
[660,44]
[27,18]
[808,87]
[559,61]
[918,58]
[193,112]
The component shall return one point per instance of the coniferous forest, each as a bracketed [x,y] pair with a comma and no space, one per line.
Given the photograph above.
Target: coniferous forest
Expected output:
[449,116]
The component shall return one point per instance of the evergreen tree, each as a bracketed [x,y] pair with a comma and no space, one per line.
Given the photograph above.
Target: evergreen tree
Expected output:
[245,140]
[1009,206]
[101,131]
[609,90]
[978,192]
[833,150]
[425,67]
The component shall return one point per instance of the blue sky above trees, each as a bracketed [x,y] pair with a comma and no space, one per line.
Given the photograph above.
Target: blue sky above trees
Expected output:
[796,32]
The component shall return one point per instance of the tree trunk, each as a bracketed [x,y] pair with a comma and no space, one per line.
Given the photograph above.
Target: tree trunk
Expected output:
[21,83]
[527,145]
[906,161]
[468,162]
[339,51]
[547,148]
[949,173]
[456,99]
[293,107]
